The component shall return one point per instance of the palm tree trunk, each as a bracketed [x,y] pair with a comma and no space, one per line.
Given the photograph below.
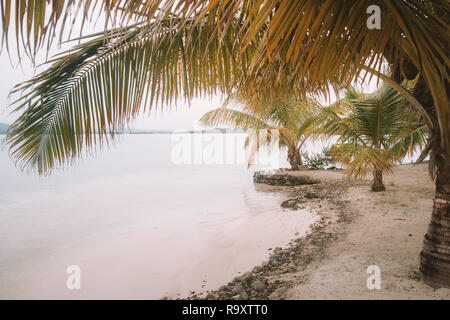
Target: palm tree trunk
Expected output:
[378,181]
[294,157]
[435,255]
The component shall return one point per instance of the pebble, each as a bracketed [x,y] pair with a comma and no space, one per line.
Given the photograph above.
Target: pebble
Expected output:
[238,288]
[211,296]
[258,285]
[257,269]
[278,293]
[275,257]
[276,272]
[243,295]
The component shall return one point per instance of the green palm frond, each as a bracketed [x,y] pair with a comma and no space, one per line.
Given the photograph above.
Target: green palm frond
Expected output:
[361,160]
[329,123]
[376,127]
[379,115]
[261,134]
[235,118]
[410,140]
[100,85]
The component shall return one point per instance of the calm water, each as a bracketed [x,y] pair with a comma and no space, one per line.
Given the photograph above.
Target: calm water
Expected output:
[139,220]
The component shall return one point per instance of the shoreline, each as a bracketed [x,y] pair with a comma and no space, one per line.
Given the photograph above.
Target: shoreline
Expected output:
[357,228]
[274,277]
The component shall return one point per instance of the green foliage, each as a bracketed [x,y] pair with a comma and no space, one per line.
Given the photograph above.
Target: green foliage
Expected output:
[318,161]
[374,130]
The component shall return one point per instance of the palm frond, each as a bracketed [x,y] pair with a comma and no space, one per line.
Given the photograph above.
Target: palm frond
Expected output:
[360,160]
[329,123]
[270,137]
[38,22]
[342,105]
[288,119]
[412,139]
[101,84]
[235,118]
[379,115]
[260,48]
[310,44]
[377,127]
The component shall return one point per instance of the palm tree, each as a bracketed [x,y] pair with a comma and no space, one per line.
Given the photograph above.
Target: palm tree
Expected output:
[255,47]
[374,131]
[288,117]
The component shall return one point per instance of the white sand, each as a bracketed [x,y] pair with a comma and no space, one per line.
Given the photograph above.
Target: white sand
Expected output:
[387,232]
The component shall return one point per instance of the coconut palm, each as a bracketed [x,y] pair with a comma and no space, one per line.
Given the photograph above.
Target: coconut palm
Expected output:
[288,118]
[309,45]
[374,132]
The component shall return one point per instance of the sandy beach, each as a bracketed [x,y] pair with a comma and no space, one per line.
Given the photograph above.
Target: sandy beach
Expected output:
[387,231]
[358,228]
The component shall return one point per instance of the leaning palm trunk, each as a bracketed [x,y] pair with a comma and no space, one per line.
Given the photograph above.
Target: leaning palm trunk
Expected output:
[378,181]
[435,255]
[294,157]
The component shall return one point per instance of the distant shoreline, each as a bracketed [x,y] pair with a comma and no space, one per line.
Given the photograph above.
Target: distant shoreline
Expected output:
[181,131]
[206,131]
